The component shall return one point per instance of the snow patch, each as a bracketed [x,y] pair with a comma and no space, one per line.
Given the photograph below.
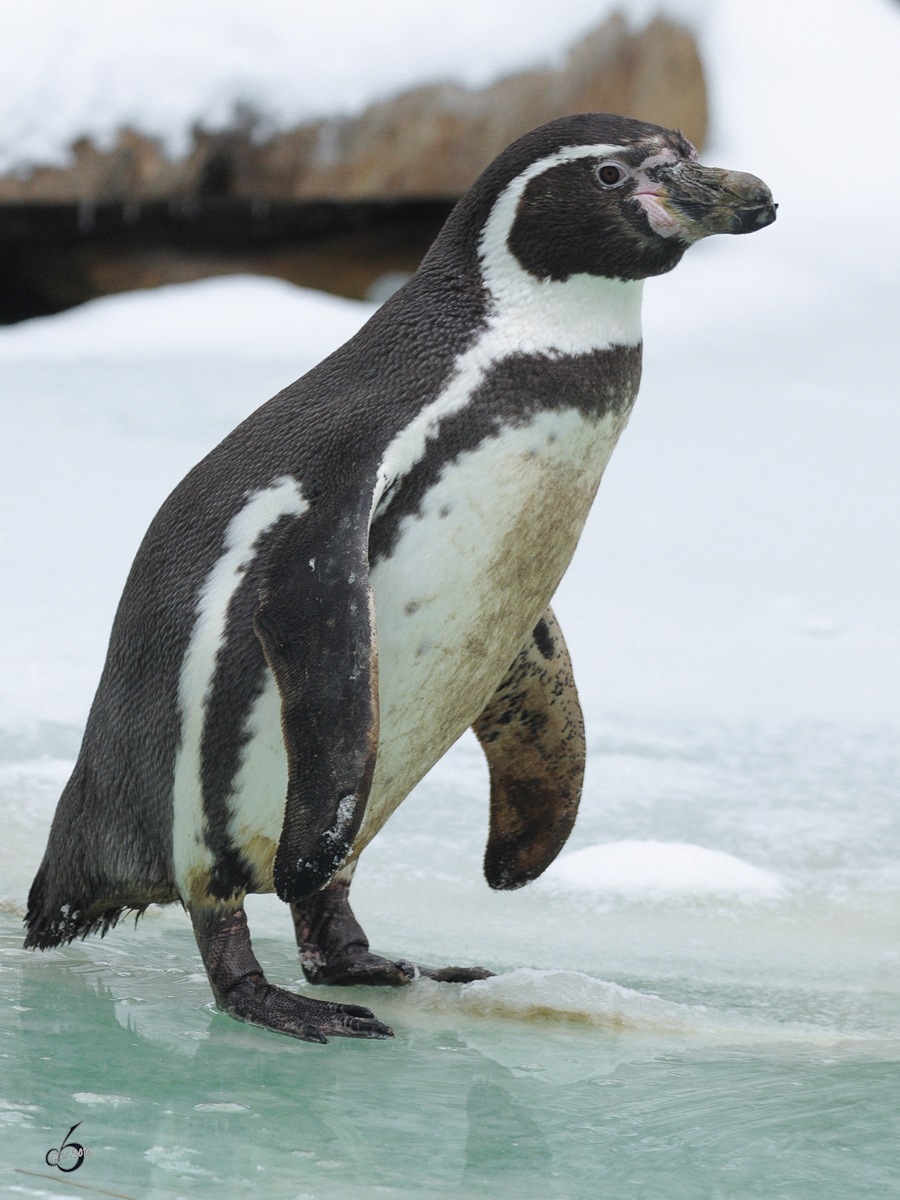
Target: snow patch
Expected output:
[225,1107]
[242,317]
[649,869]
[175,1158]
[531,994]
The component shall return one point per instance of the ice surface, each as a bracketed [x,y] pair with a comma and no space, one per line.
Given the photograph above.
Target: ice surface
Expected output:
[733,623]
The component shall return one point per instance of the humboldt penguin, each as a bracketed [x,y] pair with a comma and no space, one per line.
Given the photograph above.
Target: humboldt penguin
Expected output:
[363,569]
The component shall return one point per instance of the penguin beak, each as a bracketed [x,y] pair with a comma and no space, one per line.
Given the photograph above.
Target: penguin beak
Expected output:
[693,202]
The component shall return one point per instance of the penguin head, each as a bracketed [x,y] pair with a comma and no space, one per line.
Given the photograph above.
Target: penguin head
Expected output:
[603,195]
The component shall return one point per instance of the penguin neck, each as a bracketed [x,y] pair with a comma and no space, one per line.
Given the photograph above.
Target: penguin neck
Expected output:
[577,315]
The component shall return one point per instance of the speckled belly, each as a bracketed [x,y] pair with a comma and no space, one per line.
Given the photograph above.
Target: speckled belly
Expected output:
[467,579]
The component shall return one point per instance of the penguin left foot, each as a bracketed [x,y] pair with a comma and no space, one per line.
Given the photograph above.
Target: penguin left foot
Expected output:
[242,990]
[255,1001]
[334,949]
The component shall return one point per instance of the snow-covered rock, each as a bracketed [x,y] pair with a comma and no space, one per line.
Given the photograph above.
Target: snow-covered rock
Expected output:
[162,66]
[431,141]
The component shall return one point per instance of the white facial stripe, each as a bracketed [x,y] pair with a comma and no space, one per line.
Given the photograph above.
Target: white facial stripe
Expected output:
[582,313]
[527,316]
[500,269]
[262,510]
[656,160]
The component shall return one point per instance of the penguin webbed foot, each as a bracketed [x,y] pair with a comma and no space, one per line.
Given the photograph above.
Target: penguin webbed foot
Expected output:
[243,992]
[334,950]
[257,1002]
[348,969]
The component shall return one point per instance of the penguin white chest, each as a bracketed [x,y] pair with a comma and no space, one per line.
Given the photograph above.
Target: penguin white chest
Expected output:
[466,580]
[468,577]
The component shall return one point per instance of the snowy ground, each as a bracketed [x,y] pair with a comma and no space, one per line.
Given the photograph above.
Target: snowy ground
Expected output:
[726,928]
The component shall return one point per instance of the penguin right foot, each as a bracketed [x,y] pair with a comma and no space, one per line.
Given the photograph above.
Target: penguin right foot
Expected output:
[355,966]
[335,951]
[257,1002]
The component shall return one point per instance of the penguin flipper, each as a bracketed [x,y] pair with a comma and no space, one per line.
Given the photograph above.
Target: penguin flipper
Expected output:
[316,623]
[532,733]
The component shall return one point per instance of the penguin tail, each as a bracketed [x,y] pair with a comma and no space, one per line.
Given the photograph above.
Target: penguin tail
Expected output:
[51,921]
[86,884]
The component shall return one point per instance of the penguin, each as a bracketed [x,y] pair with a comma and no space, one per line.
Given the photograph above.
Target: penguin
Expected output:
[363,569]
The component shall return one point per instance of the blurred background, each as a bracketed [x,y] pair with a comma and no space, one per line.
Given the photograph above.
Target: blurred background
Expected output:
[701,998]
[170,142]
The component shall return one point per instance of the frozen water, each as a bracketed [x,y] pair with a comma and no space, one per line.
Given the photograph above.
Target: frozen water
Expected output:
[733,622]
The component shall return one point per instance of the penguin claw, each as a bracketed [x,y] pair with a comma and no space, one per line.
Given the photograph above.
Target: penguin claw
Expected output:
[256,1002]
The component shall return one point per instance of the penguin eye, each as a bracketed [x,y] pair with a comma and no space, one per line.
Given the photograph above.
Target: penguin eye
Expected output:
[610,174]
